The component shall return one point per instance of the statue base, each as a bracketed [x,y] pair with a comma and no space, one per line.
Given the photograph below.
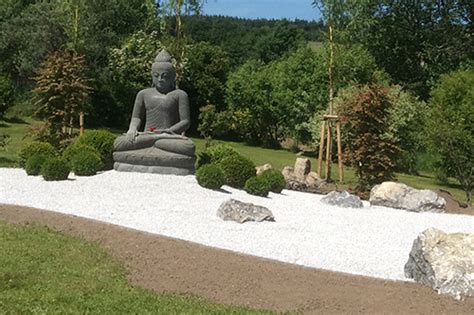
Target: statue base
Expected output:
[165,170]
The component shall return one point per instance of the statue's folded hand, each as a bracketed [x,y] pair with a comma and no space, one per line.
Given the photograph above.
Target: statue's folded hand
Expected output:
[167,131]
[131,135]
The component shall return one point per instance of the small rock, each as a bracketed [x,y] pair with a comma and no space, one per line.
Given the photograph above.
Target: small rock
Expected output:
[234,210]
[342,199]
[443,261]
[302,168]
[263,168]
[401,196]
[288,172]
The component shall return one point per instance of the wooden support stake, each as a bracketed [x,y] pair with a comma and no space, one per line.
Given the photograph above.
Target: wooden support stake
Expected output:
[339,151]
[328,152]
[321,148]
[81,123]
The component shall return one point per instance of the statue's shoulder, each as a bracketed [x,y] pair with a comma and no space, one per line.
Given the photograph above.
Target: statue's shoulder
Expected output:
[144,92]
[180,93]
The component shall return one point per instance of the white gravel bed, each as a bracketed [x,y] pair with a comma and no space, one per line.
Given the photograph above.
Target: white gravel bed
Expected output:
[372,241]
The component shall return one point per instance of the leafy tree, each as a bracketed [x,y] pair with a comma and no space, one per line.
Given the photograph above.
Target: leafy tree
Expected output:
[204,77]
[450,127]
[366,119]
[6,94]
[62,90]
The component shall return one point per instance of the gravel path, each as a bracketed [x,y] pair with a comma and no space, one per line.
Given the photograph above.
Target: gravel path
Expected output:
[372,241]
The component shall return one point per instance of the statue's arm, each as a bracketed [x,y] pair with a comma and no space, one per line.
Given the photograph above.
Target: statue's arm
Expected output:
[184,114]
[138,113]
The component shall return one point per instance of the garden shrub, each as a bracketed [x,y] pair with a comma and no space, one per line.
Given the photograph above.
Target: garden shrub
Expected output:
[220,151]
[257,185]
[366,124]
[102,141]
[275,180]
[86,163]
[34,163]
[203,158]
[450,127]
[6,94]
[55,168]
[31,148]
[210,176]
[237,169]
[75,148]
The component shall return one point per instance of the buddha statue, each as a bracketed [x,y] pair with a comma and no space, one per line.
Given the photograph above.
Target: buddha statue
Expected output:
[155,141]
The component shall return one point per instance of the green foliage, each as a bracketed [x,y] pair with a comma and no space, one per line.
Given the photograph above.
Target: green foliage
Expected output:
[79,277]
[218,152]
[210,176]
[32,148]
[75,148]
[366,123]
[237,170]
[450,127]
[6,94]
[213,124]
[4,140]
[258,186]
[34,163]
[275,180]
[62,90]
[202,159]
[86,163]
[103,142]
[54,169]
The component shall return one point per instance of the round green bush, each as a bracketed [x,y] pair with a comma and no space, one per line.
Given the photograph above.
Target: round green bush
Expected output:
[202,159]
[102,141]
[257,186]
[210,176]
[86,163]
[75,148]
[219,151]
[275,179]
[34,163]
[237,170]
[31,148]
[55,169]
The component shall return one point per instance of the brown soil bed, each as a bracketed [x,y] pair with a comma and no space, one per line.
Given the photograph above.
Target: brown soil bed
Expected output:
[173,266]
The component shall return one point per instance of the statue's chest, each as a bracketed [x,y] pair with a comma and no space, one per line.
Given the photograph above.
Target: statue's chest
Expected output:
[161,103]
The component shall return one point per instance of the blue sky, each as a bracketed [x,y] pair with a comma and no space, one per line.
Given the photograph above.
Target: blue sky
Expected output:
[269,9]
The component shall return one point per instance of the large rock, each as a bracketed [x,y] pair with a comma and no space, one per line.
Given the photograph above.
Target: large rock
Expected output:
[342,199]
[241,212]
[302,168]
[443,261]
[401,196]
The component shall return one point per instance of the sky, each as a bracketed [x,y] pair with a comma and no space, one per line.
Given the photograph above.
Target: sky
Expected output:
[268,9]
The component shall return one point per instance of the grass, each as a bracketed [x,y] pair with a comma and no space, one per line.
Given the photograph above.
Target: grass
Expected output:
[277,158]
[45,272]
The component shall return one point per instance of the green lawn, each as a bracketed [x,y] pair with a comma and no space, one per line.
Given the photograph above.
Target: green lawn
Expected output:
[44,272]
[277,158]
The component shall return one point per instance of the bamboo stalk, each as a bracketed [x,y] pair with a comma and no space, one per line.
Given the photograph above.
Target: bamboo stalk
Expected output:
[339,151]
[321,148]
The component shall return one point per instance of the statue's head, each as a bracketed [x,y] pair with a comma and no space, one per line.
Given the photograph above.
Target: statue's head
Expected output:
[163,73]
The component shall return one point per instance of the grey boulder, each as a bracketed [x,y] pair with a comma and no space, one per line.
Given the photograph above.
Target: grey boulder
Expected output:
[443,261]
[401,196]
[342,199]
[234,210]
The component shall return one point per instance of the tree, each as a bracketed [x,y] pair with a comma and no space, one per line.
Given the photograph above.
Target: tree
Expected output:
[366,119]
[62,90]
[450,127]
[6,94]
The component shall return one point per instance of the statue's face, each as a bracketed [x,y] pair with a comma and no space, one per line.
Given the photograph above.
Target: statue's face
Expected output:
[163,79]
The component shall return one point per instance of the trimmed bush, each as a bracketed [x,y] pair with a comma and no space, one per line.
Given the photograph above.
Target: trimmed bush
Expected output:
[55,169]
[210,176]
[202,159]
[72,150]
[32,148]
[237,170]
[218,152]
[102,141]
[86,163]
[275,180]
[258,186]
[34,163]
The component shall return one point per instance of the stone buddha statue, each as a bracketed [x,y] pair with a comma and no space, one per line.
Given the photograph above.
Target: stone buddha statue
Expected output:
[155,141]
